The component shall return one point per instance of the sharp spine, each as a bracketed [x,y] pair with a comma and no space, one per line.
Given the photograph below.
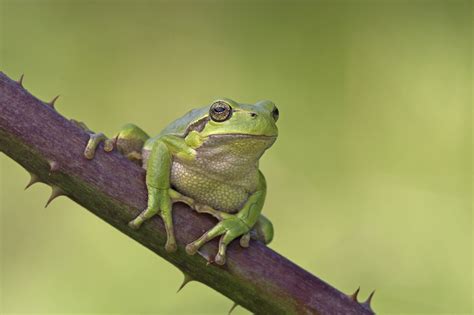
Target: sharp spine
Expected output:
[354,295]
[20,81]
[367,302]
[187,279]
[232,308]
[51,103]
[33,180]
[55,193]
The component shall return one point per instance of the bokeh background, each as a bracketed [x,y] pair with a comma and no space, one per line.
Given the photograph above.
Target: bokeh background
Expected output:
[369,181]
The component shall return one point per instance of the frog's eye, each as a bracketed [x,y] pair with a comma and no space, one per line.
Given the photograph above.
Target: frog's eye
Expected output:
[220,111]
[275,113]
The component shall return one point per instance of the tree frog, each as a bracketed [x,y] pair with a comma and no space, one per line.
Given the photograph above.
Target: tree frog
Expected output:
[207,159]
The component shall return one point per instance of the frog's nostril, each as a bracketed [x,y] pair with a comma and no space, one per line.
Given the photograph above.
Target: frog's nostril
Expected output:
[275,113]
[253,115]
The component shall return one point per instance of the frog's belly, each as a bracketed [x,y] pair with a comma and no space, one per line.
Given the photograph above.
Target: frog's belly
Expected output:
[220,194]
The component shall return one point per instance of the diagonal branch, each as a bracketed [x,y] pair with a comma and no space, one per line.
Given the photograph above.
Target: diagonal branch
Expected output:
[50,147]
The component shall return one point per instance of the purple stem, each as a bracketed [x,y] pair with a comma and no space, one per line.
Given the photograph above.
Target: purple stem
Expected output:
[257,278]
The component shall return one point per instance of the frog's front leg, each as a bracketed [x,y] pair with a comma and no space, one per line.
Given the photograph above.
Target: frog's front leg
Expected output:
[160,194]
[129,142]
[233,226]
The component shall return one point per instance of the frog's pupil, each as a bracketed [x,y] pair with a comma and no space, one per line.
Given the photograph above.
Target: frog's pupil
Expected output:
[220,111]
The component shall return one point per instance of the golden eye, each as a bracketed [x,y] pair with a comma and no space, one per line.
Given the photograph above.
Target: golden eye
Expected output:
[220,111]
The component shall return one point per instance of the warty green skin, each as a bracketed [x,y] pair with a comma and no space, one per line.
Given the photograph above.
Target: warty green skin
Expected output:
[210,165]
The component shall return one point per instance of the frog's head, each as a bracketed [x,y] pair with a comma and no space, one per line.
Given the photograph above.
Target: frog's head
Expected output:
[227,117]
[233,129]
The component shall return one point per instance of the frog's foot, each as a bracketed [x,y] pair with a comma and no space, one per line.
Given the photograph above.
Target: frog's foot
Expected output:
[159,202]
[94,140]
[220,215]
[229,229]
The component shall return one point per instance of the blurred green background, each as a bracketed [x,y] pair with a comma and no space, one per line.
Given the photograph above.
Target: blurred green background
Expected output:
[369,181]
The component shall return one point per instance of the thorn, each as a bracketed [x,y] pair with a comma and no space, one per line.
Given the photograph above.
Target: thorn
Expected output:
[369,299]
[51,103]
[53,166]
[366,304]
[20,81]
[187,279]
[232,308]
[33,180]
[55,193]
[353,296]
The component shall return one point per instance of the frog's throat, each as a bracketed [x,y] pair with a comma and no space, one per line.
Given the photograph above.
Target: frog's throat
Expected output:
[244,147]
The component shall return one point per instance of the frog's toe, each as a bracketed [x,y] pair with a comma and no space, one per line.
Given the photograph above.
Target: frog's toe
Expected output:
[171,246]
[134,225]
[220,259]
[219,215]
[191,249]
[89,153]
[230,229]
[245,240]
[222,251]
[138,221]
[178,197]
[217,230]
[94,140]
[108,145]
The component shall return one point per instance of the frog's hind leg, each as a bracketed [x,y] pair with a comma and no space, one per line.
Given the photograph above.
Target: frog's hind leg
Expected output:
[262,231]
[129,141]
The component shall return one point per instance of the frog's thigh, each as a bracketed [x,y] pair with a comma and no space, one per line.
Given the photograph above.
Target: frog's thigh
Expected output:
[130,141]
[263,229]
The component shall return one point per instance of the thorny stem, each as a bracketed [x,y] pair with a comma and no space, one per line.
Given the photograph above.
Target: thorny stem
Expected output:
[50,147]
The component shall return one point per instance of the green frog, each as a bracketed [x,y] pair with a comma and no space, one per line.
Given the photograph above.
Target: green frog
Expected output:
[207,159]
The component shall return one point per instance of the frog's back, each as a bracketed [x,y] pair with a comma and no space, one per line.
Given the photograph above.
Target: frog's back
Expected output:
[179,126]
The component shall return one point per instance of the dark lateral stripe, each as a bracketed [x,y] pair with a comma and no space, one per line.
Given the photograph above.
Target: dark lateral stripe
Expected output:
[197,126]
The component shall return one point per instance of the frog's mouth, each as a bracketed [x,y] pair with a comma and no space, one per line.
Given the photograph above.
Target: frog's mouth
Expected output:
[243,136]
[255,142]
